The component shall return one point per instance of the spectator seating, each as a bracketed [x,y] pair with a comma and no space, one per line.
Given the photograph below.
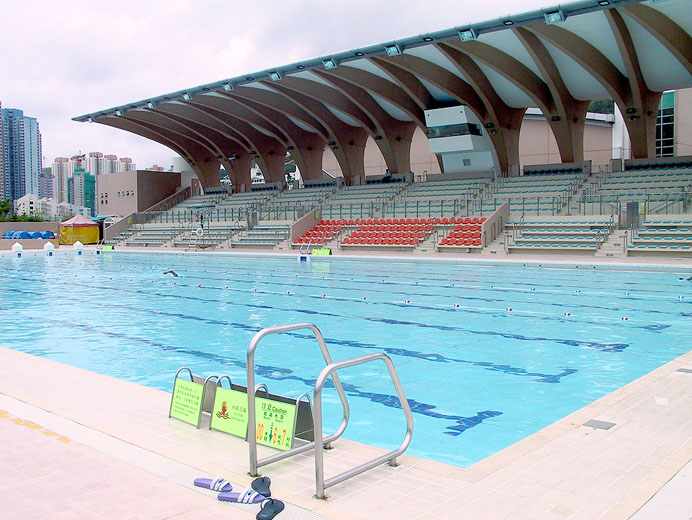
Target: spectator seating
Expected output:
[663,235]
[320,233]
[359,201]
[443,198]
[568,235]
[463,235]
[532,194]
[213,234]
[265,235]
[153,234]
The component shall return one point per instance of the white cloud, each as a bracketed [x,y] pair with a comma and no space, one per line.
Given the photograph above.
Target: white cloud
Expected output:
[74,57]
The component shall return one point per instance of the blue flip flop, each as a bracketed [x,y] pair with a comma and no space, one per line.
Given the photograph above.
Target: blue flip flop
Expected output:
[270,508]
[261,485]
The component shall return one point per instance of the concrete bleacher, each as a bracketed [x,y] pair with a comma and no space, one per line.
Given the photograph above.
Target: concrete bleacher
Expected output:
[534,194]
[663,234]
[212,235]
[264,235]
[435,198]
[663,189]
[296,202]
[560,234]
[153,234]
[360,201]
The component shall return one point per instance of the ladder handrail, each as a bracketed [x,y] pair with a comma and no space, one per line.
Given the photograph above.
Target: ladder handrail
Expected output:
[252,421]
[390,457]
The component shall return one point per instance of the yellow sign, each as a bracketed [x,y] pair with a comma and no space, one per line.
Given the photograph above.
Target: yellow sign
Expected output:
[323,252]
[275,423]
[230,412]
[186,403]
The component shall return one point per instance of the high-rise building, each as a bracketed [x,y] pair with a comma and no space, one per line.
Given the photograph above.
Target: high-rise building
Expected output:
[76,161]
[45,183]
[61,172]
[96,163]
[82,189]
[2,159]
[126,165]
[21,150]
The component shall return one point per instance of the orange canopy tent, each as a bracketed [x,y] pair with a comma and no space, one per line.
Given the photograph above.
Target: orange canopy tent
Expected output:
[79,228]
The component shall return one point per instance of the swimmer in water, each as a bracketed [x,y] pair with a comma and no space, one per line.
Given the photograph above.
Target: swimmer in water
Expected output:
[171,272]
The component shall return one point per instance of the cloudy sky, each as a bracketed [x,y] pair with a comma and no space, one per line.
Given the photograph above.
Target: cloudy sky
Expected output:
[68,58]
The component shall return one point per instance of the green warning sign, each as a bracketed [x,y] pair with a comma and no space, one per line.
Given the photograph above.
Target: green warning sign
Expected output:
[229,414]
[186,403]
[322,252]
[275,422]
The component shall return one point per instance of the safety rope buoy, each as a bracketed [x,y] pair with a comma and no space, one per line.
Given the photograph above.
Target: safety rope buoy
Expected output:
[509,309]
[624,318]
[568,314]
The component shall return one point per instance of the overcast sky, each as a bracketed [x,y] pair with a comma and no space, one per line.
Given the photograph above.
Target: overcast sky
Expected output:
[68,58]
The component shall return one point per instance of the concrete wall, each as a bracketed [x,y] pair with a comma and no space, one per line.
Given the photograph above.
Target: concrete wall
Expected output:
[683,122]
[6,245]
[153,187]
[116,193]
[129,192]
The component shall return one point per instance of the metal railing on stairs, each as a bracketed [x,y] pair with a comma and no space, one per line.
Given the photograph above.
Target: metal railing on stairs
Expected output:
[321,441]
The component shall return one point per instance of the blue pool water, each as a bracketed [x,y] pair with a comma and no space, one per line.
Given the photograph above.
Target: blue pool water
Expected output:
[478,376]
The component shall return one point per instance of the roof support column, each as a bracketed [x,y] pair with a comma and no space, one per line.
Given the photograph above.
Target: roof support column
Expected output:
[272,161]
[308,156]
[239,172]
[351,155]
[208,172]
[398,137]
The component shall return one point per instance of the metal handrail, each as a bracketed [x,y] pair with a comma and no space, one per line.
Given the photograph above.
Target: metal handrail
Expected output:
[330,370]
[252,422]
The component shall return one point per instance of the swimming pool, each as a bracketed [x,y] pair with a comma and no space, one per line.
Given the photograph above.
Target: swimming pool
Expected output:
[478,375]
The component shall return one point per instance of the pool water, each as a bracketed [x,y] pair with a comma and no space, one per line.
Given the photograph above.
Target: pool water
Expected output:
[487,355]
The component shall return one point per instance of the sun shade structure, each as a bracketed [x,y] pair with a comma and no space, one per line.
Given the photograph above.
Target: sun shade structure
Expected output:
[555,59]
[79,228]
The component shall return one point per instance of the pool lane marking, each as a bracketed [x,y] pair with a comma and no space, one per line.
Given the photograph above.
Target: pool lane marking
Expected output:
[605,347]
[432,357]
[517,303]
[493,312]
[34,426]
[462,423]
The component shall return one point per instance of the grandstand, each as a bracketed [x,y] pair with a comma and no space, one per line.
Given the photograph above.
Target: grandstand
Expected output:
[445,214]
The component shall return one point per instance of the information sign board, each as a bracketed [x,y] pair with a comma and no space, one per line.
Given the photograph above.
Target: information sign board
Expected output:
[186,403]
[275,423]
[229,413]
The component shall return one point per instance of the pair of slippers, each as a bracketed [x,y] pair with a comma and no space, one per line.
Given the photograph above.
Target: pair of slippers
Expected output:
[258,493]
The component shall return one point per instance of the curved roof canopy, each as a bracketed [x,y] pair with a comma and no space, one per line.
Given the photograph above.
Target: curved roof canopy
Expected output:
[556,59]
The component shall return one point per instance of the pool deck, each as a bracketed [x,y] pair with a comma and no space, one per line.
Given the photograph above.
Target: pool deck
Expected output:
[77,444]
[82,445]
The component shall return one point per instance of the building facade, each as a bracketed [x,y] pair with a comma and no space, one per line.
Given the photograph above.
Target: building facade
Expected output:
[21,151]
[45,183]
[82,189]
[47,208]
[128,192]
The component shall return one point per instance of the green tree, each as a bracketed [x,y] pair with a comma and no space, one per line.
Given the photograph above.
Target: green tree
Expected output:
[5,208]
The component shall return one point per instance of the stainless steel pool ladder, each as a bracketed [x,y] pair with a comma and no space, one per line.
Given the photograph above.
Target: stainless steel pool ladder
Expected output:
[321,442]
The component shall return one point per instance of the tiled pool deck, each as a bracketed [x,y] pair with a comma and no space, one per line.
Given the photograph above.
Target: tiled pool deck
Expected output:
[76,444]
[81,445]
